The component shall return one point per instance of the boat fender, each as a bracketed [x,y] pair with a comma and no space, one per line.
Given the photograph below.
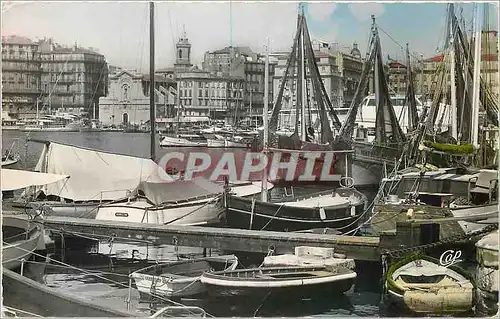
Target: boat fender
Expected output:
[322,213]
[409,213]
[353,210]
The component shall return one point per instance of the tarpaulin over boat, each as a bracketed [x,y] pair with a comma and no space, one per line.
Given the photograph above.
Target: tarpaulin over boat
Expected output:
[98,175]
[161,192]
[13,179]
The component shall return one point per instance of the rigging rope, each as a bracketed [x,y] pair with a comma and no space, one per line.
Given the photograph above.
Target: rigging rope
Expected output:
[100,277]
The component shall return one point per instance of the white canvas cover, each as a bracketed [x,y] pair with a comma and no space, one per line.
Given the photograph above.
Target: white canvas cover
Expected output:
[13,179]
[94,175]
[98,175]
[161,192]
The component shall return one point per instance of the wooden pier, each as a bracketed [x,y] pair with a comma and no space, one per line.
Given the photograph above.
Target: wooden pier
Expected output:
[408,234]
[358,248]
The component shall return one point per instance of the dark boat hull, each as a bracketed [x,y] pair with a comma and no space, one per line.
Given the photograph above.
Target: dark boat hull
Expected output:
[23,293]
[284,293]
[269,216]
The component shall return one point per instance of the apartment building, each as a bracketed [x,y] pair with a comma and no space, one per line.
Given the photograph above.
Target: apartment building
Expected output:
[21,74]
[73,78]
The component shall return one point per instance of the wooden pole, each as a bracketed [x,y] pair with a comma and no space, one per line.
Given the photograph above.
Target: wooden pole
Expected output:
[152,117]
[266,122]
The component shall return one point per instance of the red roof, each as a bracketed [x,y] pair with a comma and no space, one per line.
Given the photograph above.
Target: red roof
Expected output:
[437,58]
[395,64]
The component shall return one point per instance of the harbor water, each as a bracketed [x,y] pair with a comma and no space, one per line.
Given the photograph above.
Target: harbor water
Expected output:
[111,285]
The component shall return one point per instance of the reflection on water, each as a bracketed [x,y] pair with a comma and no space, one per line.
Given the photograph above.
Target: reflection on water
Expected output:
[106,283]
[111,263]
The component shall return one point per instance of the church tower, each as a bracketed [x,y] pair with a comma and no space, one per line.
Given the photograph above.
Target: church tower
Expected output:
[183,53]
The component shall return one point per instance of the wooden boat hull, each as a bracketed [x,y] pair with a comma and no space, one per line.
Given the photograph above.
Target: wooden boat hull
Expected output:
[245,214]
[174,283]
[448,291]
[21,239]
[48,302]
[287,282]
[433,303]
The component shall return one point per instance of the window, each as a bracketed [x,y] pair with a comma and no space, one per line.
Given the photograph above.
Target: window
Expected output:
[180,54]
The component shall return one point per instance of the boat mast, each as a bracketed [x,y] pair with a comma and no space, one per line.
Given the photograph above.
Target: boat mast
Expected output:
[476,83]
[266,122]
[454,132]
[152,118]
[303,86]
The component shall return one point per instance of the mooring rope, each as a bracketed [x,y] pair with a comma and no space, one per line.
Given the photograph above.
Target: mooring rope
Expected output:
[101,277]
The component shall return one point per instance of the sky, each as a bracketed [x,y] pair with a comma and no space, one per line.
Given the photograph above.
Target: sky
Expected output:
[120,30]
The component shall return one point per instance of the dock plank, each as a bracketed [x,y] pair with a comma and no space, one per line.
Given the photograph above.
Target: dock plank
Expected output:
[358,248]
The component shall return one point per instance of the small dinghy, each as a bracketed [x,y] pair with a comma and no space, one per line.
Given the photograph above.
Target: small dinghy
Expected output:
[182,278]
[301,281]
[420,284]
[9,160]
[20,238]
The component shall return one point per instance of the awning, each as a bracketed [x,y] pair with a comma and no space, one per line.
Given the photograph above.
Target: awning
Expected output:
[16,179]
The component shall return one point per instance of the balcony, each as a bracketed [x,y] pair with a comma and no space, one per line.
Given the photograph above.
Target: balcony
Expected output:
[6,89]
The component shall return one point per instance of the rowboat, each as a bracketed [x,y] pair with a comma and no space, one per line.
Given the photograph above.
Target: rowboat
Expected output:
[182,278]
[292,281]
[422,285]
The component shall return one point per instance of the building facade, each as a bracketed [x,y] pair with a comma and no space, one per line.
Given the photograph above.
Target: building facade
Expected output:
[127,102]
[249,67]
[203,96]
[339,71]
[21,75]
[73,79]
[350,66]
[397,77]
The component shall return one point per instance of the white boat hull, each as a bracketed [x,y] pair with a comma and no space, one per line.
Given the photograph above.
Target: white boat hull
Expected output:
[232,144]
[9,162]
[200,212]
[14,252]
[49,129]
[168,141]
[216,143]
[366,176]
[181,278]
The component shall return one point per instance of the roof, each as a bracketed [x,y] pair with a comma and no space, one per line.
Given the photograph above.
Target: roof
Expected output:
[396,64]
[60,49]
[242,50]
[169,69]
[437,58]
[13,179]
[320,54]
[158,78]
[121,72]
[16,39]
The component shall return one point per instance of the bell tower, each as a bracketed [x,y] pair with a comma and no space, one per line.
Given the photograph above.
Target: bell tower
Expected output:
[183,52]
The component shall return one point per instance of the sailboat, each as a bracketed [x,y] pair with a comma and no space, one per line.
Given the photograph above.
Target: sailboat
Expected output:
[309,134]
[372,159]
[340,209]
[457,191]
